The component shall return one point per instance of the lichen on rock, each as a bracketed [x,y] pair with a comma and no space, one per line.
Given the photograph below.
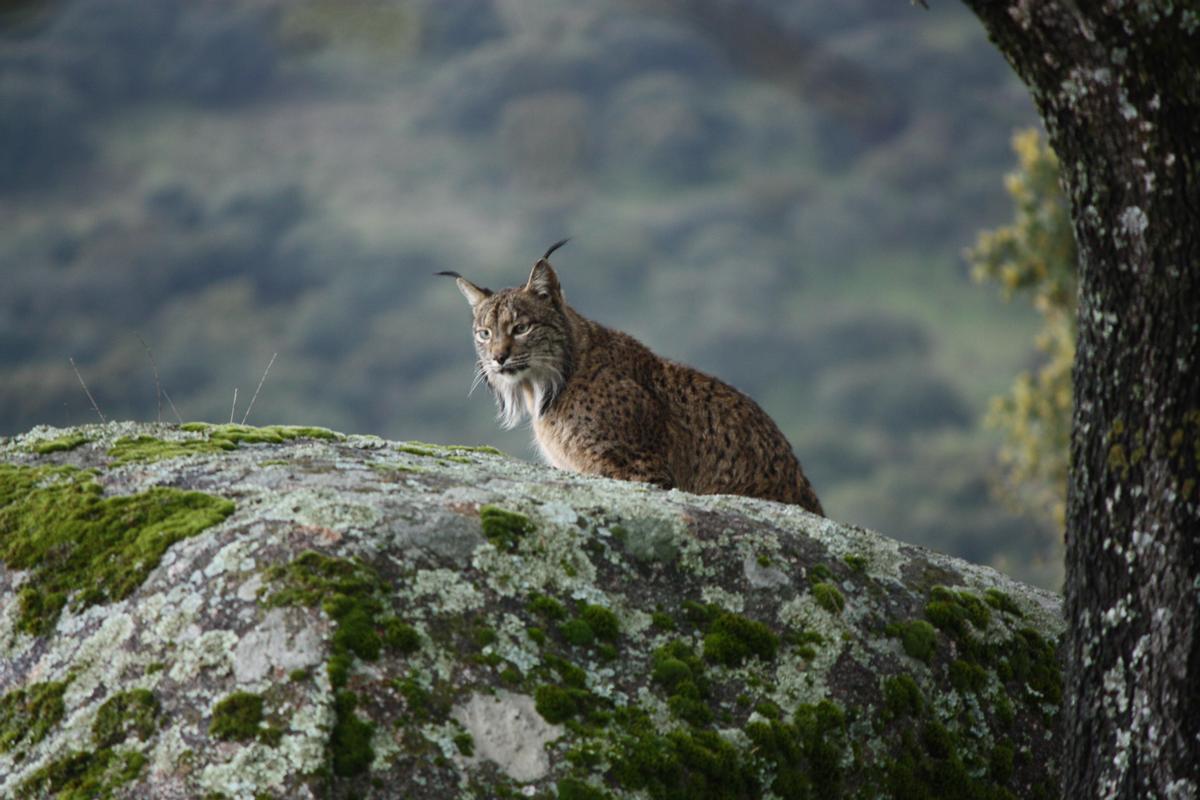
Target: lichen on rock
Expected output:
[247,612]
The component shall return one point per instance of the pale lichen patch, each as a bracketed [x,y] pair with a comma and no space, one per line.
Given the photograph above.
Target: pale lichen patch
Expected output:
[508,731]
[207,651]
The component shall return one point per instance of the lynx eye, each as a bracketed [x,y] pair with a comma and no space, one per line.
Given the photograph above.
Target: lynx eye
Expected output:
[483,334]
[521,328]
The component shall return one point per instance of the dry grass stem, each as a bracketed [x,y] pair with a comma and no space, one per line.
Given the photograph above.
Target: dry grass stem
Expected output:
[260,385]
[171,403]
[85,390]
[158,392]
[233,410]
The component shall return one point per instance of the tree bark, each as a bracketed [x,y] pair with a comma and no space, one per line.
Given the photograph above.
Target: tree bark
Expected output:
[1118,87]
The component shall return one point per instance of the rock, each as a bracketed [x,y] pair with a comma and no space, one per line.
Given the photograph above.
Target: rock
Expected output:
[506,729]
[226,611]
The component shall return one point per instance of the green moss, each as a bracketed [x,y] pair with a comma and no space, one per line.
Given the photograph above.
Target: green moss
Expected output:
[547,607]
[217,438]
[829,597]
[537,635]
[134,712]
[662,621]
[681,673]
[465,744]
[602,621]
[237,717]
[577,632]
[478,448]
[414,450]
[1000,762]
[555,703]
[504,529]
[568,673]
[732,638]
[1025,658]
[682,764]
[700,614]
[687,704]
[949,617]
[350,743]
[67,442]
[820,572]
[919,639]
[150,448]
[423,704]
[585,755]
[400,636]
[953,611]
[271,735]
[669,671]
[1002,602]
[355,632]
[942,757]
[483,635]
[966,676]
[978,612]
[856,562]
[84,775]
[1033,662]
[902,697]
[439,450]
[352,594]
[572,704]
[930,763]
[268,434]
[806,756]
[86,548]
[298,675]
[27,715]
[573,789]
[338,669]
[1005,714]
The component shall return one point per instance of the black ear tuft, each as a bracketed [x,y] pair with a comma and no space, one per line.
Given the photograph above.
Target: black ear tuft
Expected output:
[473,293]
[555,246]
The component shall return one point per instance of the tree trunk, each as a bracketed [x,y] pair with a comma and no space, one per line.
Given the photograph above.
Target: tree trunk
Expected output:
[1118,87]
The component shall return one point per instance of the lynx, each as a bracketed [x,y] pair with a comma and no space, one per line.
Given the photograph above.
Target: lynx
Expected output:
[601,403]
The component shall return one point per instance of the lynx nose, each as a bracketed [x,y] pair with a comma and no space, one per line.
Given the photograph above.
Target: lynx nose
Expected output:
[500,358]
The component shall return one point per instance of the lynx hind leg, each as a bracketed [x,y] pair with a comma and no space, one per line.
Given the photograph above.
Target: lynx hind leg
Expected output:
[808,497]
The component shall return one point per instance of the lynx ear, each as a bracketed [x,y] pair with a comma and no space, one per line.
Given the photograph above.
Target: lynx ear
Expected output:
[473,293]
[542,280]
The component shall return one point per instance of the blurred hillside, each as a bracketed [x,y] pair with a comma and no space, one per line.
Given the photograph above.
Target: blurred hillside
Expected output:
[775,192]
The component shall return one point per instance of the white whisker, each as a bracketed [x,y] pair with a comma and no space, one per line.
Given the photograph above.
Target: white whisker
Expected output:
[480,374]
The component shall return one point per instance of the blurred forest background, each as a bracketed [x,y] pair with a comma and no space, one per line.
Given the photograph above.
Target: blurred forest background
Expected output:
[776,192]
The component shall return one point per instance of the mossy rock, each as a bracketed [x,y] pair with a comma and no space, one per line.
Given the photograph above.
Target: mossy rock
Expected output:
[280,611]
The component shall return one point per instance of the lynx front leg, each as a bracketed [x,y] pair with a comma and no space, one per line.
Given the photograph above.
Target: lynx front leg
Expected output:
[615,429]
[624,465]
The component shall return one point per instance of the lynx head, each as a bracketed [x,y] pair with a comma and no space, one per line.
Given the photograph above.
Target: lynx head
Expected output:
[522,341]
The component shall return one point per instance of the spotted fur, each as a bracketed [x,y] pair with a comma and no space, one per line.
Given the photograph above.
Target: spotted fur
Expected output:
[602,403]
